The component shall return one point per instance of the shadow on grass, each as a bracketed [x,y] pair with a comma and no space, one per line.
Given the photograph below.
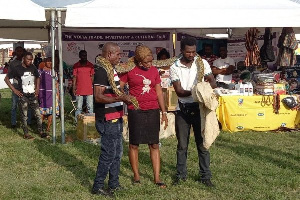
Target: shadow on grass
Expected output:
[5,119]
[93,152]
[5,106]
[144,161]
[66,160]
[168,159]
[295,135]
[261,153]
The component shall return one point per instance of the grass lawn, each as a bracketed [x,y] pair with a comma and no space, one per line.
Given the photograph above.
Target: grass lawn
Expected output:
[245,165]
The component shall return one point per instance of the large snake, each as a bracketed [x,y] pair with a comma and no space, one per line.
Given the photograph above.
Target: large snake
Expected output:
[105,64]
[124,68]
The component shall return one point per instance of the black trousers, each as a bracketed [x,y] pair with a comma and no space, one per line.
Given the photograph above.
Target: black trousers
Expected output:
[183,123]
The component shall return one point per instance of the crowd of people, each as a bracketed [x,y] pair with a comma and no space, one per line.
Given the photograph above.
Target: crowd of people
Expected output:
[32,89]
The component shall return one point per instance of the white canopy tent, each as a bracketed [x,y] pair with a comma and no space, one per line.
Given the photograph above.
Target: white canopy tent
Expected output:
[26,46]
[195,17]
[217,15]
[23,20]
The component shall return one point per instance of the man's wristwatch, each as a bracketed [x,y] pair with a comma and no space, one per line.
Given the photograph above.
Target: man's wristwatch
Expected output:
[164,113]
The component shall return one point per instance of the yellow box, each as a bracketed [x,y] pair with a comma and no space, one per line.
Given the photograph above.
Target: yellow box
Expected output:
[172,99]
[86,127]
[279,88]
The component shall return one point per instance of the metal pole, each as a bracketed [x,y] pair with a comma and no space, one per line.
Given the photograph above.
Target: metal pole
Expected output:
[53,76]
[3,54]
[61,81]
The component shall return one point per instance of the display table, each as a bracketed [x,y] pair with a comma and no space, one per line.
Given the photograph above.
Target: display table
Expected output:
[240,113]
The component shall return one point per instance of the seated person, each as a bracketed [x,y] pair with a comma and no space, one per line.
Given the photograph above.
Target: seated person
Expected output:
[223,68]
[164,72]
[5,69]
[293,86]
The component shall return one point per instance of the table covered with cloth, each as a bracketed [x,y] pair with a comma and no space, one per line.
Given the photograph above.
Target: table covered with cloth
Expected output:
[241,113]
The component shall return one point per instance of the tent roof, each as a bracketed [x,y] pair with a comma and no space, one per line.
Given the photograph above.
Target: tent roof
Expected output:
[184,14]
[26,46]
[21,13]
[23,20]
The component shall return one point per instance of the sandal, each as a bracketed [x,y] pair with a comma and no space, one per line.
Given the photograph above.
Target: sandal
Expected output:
[161,184]
[44,135]
[28,137]
[135,182]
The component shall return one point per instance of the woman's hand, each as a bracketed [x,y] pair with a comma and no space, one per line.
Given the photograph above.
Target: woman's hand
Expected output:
[164,119]
[125,98]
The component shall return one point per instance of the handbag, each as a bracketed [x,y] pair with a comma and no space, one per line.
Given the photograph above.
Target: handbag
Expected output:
[266,51]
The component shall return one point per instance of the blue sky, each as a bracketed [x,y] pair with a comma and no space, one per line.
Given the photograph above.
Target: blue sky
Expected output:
[57,3]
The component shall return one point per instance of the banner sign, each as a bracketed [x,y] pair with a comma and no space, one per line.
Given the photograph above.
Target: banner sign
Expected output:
[93,43]
[68,36]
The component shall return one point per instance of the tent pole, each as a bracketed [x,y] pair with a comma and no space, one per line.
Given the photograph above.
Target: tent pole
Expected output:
[53,76]
[61,81]
[173,37]
[3,56]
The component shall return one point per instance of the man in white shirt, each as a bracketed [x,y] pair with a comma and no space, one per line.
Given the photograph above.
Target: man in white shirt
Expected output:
[183,75]
[223,68]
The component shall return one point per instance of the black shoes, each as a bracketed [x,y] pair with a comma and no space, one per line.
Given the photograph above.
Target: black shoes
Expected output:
[108,193]
[207,183]
[117,189]
[178,181]
[102,192]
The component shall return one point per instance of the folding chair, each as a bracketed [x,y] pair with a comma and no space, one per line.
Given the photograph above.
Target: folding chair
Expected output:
[72,99]
[73,105]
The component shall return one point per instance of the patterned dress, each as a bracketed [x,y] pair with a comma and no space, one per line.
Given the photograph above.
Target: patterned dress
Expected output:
[287,44]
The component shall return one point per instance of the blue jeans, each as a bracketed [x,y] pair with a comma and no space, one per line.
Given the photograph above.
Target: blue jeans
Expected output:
[111,153]
[15,102]
[89,103]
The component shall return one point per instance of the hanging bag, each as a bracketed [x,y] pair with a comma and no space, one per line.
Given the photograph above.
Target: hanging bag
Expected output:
[266,51]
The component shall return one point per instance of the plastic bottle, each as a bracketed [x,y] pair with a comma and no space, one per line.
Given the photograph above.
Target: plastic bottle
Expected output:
[236,87]
[246,89]
[250,89]
[240,87]
[232,85]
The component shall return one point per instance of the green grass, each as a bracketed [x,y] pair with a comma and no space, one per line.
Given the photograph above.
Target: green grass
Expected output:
[245,165]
